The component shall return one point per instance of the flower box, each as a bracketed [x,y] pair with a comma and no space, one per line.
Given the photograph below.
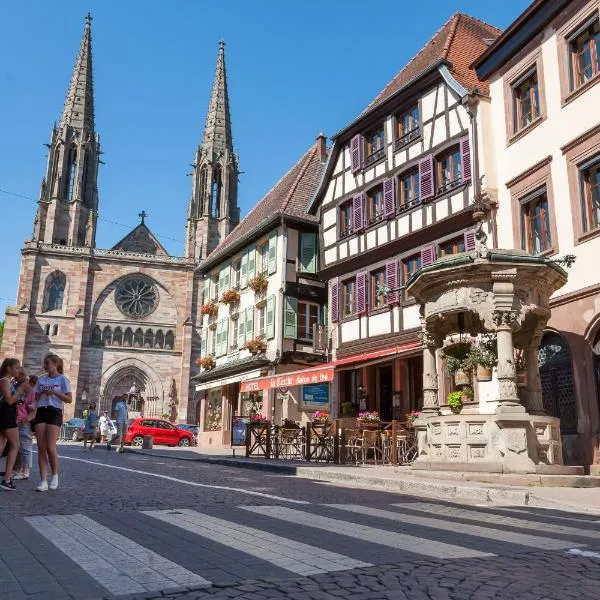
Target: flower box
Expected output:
[256,346]
[368,418]
[231,296]
[210,308]
[259,284]
[320,418]
[207,362]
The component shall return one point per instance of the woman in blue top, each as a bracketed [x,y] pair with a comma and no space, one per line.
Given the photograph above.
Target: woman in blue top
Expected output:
[52,391]
[90,427]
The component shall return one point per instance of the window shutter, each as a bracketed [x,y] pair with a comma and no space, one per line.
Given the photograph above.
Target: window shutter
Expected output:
[427,188]
[391,281]
[308,252]
[244,271]
[241,329]
[225,337]
[389,198]
[357,144]
[272,252]
[335,303]
[217,332]
[270,317]
[203,344]
[207,283]
[226,278]
[290,318]
[251,263]
[465,157]
[249,322]
[469,241]
[427,256]
[358,212]
[361,292]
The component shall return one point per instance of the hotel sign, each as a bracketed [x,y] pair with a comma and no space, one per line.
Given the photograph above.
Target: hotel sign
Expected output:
[288,380]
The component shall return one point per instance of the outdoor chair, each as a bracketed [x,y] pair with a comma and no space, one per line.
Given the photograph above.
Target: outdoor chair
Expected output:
[353,445]
[371,443]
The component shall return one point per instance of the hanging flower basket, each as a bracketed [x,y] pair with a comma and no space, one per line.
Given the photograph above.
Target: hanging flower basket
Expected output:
[259,284]
[231,296]
[461,377]
[256,346]
[484,373]
[207,362]
[210,308]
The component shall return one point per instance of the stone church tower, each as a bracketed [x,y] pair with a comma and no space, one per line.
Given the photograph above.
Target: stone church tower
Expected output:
[124,319]
[213,209]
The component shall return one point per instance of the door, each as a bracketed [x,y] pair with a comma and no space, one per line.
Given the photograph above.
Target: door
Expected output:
[385,393]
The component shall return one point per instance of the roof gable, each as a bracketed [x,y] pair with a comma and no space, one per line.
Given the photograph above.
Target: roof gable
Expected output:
[141,240]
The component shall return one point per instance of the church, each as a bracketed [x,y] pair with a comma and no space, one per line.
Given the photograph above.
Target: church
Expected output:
[124,319]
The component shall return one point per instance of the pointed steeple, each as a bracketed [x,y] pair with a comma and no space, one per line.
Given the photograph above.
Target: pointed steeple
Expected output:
[78,111]
[217,129]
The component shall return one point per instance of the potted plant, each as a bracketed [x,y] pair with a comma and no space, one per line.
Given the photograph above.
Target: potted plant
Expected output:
[411,417]
[210,308]
[485,355]
[256,346]
[457,399]
[320,418]
[459,362]
[521,367]
[231,296]
[259,283]
[289,424]
[207,362]
[258,418]
[369,418]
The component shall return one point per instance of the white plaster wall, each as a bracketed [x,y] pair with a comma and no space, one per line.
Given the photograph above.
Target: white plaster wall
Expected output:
[350,331]
[330,236]
[379,324]
[330,256]
[410,317]
[328,218]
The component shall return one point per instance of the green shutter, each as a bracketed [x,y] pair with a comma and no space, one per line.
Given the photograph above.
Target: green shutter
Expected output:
[218,347]
[226,278]
[324,310]
[225,336]
[273,252]
[249,322]
[270,317]
[207,283]
[241,329]
[308,252]
[251,263]
[244,271]
[290,318]
[203,340]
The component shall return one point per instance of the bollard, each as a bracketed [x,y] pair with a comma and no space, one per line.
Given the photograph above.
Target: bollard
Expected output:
[147,442]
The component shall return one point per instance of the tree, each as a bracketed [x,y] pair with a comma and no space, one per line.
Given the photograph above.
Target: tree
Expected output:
[1,332]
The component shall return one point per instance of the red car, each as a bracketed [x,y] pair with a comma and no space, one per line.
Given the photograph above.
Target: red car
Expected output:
[161,430]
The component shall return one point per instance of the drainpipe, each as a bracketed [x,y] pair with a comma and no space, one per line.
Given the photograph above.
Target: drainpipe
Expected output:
[281,308]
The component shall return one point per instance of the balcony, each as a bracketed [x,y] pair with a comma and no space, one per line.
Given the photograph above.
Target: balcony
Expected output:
[407,138]
[374,157]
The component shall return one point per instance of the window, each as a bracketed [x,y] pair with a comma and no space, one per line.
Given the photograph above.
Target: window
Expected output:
[408,127]
[590,188]
[261,314]
[453,246]
[71,174]
[375,146]
[526,99]
[377,282]
[235,323]
[263,256]
[215,193]
[449,167]
[308,315]
[215,288]
[411,265]
[375,205]
[535,222]
[237,270]
[346,221]
[348,297]
[409,189]
[585,60]
[213,341]
[55,291]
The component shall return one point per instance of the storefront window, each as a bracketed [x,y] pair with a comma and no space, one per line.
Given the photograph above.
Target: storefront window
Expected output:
[213,414]
[252,403]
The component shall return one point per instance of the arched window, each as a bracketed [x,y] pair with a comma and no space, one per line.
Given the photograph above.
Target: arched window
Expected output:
[107,336]
[556,374]
[47,329]
[202,195]
[159,339]
[215,193]
[55,330]
[149,339]
[71,173]
[97,336]
[117,337]
[138,338]
[128,337]
[55,291]
[169,340]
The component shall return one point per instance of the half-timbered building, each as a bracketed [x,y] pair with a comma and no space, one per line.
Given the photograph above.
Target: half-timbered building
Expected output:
[398,192]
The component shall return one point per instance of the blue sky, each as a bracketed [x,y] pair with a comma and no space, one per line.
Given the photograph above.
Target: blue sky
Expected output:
[294,70]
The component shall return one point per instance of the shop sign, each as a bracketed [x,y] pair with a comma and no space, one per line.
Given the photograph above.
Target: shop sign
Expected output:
[288,380]
[316,395]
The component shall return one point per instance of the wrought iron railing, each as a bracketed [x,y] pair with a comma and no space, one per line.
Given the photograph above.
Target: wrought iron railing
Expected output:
[374,156]
[413,134]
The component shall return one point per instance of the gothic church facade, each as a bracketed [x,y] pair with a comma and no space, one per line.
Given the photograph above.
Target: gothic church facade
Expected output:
[125,319]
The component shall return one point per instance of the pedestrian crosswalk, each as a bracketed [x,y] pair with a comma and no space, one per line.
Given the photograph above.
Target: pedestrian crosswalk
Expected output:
[157,550]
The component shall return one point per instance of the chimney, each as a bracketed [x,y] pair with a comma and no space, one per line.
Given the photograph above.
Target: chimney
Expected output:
[322,146]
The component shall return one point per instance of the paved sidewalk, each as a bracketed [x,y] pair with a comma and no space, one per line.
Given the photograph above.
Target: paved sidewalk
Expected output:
[569,493]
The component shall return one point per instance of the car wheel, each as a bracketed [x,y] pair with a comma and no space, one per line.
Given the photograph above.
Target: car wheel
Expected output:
[137,441]
[184,442]
[75,436]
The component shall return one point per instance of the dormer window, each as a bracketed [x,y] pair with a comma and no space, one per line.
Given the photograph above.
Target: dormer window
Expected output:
[409,127]
[375,146]
[375,207]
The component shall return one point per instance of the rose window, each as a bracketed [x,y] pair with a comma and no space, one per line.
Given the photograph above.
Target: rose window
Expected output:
[136,296]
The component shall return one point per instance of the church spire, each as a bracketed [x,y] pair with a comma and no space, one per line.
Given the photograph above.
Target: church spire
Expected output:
[78,111]
[217,129]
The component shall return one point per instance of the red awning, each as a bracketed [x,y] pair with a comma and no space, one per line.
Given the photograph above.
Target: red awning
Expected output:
[355,358]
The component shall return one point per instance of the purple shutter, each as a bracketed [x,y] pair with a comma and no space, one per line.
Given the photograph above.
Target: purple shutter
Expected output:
[427,256]
[465,157]
[356,153]
[361,292]
[389,198]
[335,299]
[469,241]
[391,281]
[426,186]
[358,212]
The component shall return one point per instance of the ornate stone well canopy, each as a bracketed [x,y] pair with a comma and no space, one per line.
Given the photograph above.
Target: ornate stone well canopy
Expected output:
[506,292]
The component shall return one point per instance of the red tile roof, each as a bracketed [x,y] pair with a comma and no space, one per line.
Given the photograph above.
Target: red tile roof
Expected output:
[289,196]
[459,41]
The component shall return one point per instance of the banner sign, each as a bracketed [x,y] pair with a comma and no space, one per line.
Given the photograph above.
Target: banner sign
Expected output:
[289,380]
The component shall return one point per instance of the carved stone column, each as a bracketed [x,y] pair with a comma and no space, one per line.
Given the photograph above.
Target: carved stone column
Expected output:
[431,403]
[535,402]
[508,399]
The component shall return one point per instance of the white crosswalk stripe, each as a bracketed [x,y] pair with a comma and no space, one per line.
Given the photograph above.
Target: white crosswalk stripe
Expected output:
[489,533]
[117,563]
[366,533]
[297,557]
[534,524]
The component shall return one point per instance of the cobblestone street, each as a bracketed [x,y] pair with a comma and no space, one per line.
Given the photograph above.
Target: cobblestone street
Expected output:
[132,526]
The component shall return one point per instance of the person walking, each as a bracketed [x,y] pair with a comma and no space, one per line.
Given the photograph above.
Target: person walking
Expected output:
[52,391]
[120,414]
[103,422]
[25,414]
[90,427]
[13,388]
